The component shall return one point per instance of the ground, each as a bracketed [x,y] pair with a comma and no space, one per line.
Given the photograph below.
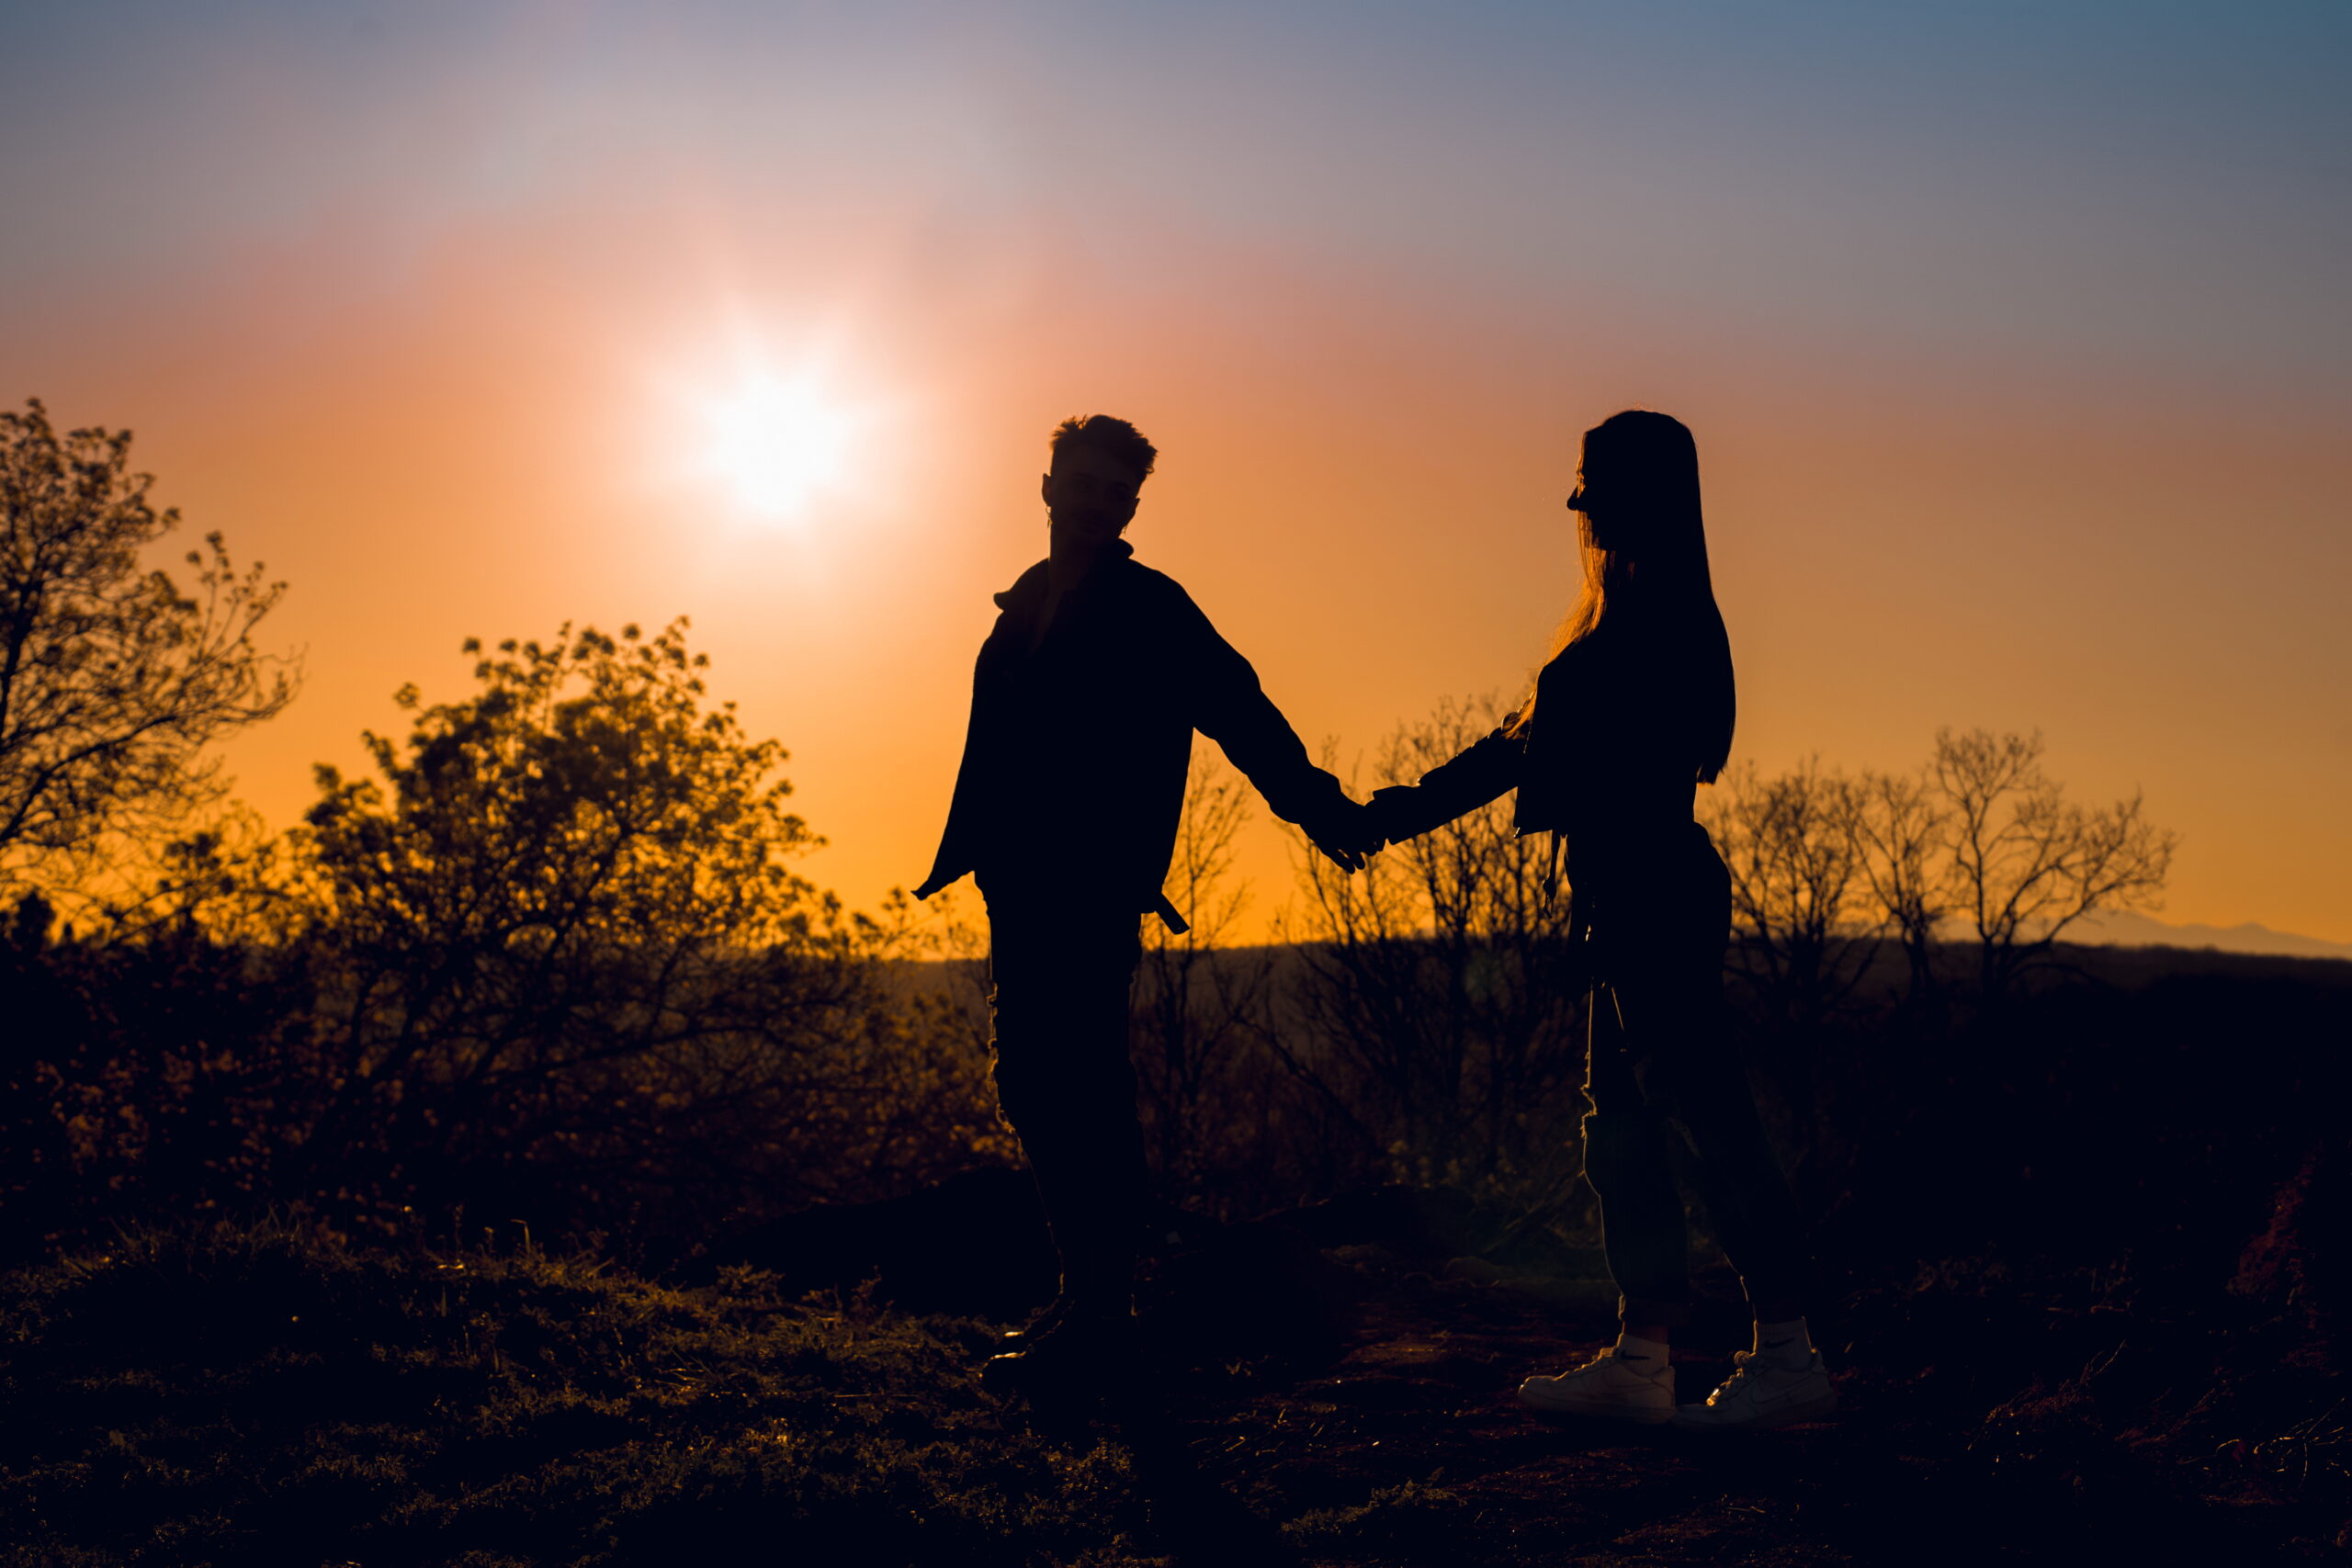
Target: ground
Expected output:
[1411,1449]
[268,1395]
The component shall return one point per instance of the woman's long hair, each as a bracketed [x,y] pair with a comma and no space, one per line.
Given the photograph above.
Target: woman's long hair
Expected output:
[1642,470]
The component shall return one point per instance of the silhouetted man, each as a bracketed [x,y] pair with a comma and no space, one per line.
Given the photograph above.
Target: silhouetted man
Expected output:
[1084,700]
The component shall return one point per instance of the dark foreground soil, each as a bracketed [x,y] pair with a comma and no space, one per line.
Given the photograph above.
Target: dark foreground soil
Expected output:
[265,1397]
[1411,1449]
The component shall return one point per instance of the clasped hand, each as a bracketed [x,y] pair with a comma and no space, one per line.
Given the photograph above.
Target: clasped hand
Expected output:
[1349,836]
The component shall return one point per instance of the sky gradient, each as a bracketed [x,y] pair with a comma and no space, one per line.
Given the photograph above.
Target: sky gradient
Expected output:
[2016,340]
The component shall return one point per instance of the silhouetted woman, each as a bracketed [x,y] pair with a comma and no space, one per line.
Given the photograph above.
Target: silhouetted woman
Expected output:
[1632,712]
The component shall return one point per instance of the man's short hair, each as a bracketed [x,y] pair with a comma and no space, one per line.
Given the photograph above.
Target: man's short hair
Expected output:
[1114,438]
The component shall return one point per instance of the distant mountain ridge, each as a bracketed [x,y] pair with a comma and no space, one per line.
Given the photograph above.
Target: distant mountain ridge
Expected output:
[2131,929]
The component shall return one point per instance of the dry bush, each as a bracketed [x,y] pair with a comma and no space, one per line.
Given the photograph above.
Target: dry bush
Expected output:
[1437,1010]
[1200,1006]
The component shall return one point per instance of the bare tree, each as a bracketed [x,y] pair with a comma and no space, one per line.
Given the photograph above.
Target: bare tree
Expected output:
[114,681]
[1197,1002]
[1904,828]
[1439,1000]
[2027,863]
[1795,847]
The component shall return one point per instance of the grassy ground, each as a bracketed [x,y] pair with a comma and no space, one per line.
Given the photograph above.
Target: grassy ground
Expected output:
[260,1396]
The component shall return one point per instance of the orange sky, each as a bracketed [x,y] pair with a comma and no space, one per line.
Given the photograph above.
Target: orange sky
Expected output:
[435,358]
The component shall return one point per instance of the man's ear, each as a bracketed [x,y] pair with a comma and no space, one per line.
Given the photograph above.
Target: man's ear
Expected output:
[1046,488]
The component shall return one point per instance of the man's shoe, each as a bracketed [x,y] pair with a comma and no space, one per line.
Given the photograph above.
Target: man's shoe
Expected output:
[1608,1386]
[1037,1328]
[1758,1394]
[1082,1355]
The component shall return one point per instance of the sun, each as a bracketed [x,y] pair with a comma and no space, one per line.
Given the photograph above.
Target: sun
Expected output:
[777,442]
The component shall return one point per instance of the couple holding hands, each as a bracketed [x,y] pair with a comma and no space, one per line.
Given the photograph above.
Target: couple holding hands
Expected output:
[1084,700]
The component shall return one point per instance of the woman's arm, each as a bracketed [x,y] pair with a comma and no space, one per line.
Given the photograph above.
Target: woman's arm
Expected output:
[1486,771]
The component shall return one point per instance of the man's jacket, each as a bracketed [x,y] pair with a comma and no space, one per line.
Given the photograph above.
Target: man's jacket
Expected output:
[1073,776]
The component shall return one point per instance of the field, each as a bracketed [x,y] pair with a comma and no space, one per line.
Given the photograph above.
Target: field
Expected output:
[256,1397]
[2063,1352]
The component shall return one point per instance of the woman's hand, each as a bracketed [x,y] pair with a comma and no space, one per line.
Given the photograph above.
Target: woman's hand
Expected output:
[1347,836]
[1394,813]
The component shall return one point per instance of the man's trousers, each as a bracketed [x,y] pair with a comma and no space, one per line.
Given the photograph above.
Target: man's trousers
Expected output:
[1060,967]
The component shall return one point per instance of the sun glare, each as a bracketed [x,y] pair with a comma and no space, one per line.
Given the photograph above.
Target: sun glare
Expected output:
[777,444]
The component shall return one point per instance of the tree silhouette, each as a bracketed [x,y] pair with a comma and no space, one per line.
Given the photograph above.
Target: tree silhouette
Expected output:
[1196,1003]
[2026,861]
[1904,828]
[1438,990]
[1796,849]
[113,680]
[563,929]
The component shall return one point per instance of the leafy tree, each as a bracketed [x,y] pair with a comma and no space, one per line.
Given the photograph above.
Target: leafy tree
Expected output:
[560,933]
[550,961]
[114,680]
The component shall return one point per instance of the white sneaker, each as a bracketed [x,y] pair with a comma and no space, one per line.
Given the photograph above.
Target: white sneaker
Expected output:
[1761,1394]
[1609,1386]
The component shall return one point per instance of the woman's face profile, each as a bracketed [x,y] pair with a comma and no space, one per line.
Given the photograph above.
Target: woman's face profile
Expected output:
[1581,502]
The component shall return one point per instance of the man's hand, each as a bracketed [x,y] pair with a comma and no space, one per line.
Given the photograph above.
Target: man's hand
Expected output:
[1347,836]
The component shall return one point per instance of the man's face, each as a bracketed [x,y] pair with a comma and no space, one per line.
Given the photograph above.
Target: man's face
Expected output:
[1089,495]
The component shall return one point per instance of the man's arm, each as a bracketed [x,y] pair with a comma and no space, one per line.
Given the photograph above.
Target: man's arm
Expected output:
[1229,706]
